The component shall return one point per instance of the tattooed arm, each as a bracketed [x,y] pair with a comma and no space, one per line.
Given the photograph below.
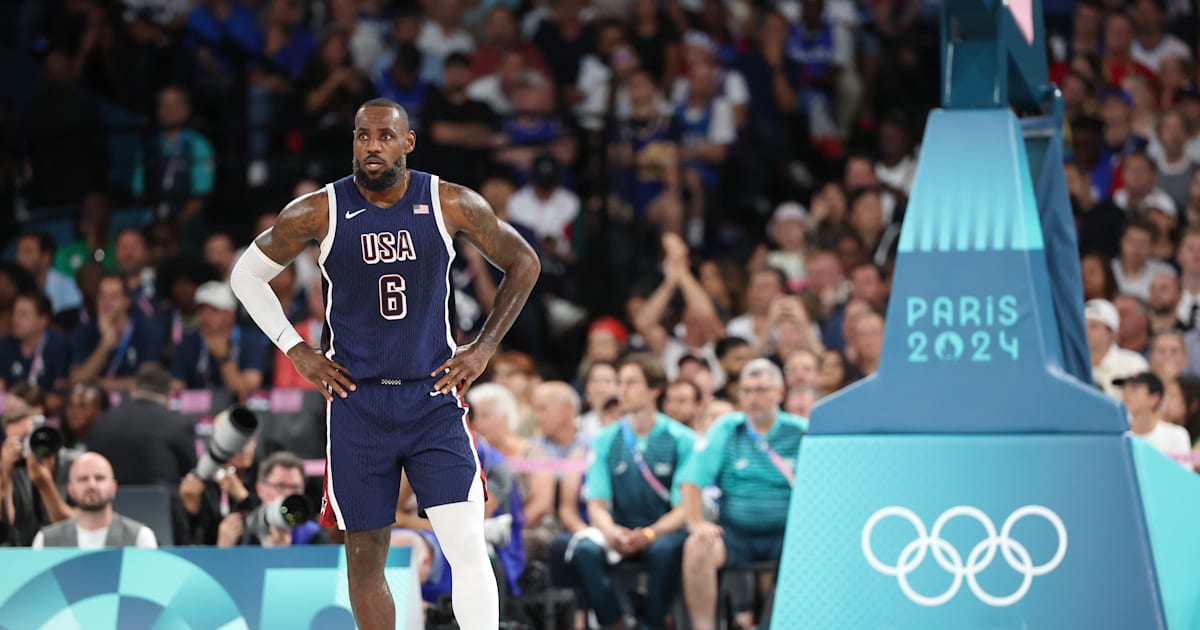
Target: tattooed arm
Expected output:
[466,212]
[303,221]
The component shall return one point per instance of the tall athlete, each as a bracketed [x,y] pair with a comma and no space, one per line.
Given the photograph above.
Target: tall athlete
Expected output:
[390,371]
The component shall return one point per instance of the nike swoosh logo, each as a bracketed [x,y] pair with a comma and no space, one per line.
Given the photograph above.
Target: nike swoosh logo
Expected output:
[351,215]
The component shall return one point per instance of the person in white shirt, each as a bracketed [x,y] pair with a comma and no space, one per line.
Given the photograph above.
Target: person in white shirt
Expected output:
[95,525]
[1109,362]
[1143,396]
[1153,43]
[546,207]
[1134,269]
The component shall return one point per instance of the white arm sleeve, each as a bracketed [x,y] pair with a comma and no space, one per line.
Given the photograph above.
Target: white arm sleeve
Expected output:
[249,281]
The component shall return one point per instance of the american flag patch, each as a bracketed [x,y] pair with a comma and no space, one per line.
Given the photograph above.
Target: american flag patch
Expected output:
[421,208]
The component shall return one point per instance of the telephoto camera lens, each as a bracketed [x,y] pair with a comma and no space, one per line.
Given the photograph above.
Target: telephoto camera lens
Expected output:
[44,442]
[284,513]
[232,429]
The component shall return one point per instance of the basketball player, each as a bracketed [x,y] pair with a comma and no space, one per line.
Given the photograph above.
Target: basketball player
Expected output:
[390,371]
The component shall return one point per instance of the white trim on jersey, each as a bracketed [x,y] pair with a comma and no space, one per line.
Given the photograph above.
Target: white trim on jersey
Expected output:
[448,239]
[476,491]
[326,247]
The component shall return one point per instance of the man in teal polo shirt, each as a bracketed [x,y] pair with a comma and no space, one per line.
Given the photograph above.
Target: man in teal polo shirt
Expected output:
[751,456]
[631,486]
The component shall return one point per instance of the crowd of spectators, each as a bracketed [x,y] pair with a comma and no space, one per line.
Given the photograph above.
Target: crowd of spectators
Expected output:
[715,190]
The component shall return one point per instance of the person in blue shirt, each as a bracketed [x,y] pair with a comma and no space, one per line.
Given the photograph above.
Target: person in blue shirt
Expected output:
[633,500]
[176,174]
[220,353]
[34,353]
[35,253]
[111,345]
[751,455]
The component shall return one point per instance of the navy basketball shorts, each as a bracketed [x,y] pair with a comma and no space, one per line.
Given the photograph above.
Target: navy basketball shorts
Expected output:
[380,429]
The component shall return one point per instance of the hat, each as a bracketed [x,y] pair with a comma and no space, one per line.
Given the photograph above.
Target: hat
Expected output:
[700,40]
[1186,92]
[1149,379]
[790,211]
[217,295]
[544,172]
[1104,312]
[1161,201]
[153,378]
[1118,94]
[612,327]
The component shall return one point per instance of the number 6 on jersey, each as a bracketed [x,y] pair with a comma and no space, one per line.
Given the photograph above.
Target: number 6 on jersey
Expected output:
[392,302]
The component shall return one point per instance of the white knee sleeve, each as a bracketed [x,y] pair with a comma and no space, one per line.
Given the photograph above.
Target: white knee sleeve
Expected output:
[459,529]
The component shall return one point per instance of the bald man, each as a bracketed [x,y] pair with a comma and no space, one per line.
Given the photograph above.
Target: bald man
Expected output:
[92,488]
[556,407]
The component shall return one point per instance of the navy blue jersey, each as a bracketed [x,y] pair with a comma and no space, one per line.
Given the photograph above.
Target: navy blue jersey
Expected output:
[386,277]
[47,367]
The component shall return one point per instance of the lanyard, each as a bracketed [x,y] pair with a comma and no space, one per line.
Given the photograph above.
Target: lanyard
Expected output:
[123,346]
[761,442]
[651,480]
[235,342]
[36,366]
[176,327]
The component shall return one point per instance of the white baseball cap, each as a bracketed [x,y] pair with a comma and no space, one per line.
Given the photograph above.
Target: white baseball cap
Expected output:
[217,295]
[790,211]
[1104,312]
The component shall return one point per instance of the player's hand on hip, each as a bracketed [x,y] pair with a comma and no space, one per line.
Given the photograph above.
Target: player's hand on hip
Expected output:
[463,368]
[329,376]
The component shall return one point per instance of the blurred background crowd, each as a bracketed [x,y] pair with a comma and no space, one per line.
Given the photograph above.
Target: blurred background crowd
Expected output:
[706,182]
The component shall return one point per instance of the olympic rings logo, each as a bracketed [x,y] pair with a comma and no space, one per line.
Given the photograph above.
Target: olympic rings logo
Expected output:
[980,557]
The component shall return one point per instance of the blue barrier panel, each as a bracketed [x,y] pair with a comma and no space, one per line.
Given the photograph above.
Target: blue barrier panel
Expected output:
[183,587]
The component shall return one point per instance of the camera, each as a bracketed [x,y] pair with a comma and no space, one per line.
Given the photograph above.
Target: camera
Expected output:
[43,442]
[284,513]
[232,429]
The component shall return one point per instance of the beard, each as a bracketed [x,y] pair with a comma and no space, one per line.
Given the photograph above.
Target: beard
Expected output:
[388,177]
[93,503]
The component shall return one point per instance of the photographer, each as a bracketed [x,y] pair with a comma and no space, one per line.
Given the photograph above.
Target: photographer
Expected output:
[208,502]
[22,511]
[280,476]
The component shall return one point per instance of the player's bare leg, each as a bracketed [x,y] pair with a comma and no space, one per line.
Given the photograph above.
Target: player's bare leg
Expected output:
[459,528]
[370,597]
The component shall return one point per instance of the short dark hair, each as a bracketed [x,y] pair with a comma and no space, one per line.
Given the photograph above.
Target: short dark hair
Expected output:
[652,369]
[279,459]
[1144,225]
[457,59]
[46,243]
[778,273]
[728,344]
[386,102]
[112,275]
[408,56]
[880,271]
[29,393]
[1142,155]
[697,394]
[40,302]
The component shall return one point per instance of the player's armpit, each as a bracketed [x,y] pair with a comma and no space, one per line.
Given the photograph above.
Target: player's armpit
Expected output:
[304,220]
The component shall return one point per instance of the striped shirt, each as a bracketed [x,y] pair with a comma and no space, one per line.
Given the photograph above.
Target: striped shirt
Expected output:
[754,492]
[614,475]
